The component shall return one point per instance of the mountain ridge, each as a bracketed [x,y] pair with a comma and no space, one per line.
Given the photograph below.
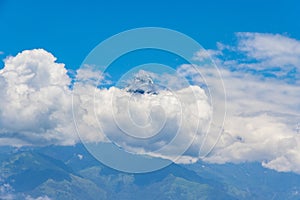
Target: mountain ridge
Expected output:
[70,172]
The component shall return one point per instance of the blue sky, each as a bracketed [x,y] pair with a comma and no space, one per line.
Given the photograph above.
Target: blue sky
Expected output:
[255,44]
[70,29]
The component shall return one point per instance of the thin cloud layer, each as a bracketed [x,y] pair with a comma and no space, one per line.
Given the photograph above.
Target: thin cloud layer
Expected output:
[271,49]
[272,55]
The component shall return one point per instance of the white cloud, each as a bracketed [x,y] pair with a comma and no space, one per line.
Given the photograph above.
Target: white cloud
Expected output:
[80,157]
[269,54]
[272,49]
[204,55]
[36,109]
[262,112]
[168,119]
[6,192]
[37,198]
[91,75]
[35,100]
[261,120]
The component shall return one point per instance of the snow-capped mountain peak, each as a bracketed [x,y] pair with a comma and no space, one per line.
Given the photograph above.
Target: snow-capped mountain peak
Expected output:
[142,83]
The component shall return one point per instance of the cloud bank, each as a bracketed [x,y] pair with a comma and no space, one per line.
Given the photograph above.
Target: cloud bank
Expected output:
[261,77]
[36,109]
[144,118]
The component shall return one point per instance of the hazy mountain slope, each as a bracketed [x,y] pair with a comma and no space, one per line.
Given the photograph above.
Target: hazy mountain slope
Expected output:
[251,180]
[72,173]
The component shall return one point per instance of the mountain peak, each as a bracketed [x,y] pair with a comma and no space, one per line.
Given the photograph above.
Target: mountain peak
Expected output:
[142,83]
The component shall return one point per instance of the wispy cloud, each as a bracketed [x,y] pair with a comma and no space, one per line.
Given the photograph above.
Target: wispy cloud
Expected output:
[272,55]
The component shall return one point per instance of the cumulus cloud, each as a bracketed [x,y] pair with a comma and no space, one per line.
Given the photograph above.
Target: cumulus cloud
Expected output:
[144,118]
[91,75]
[262,111]
[38,101]
[260,124]
[175,118]
[35,100]
[261,78]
